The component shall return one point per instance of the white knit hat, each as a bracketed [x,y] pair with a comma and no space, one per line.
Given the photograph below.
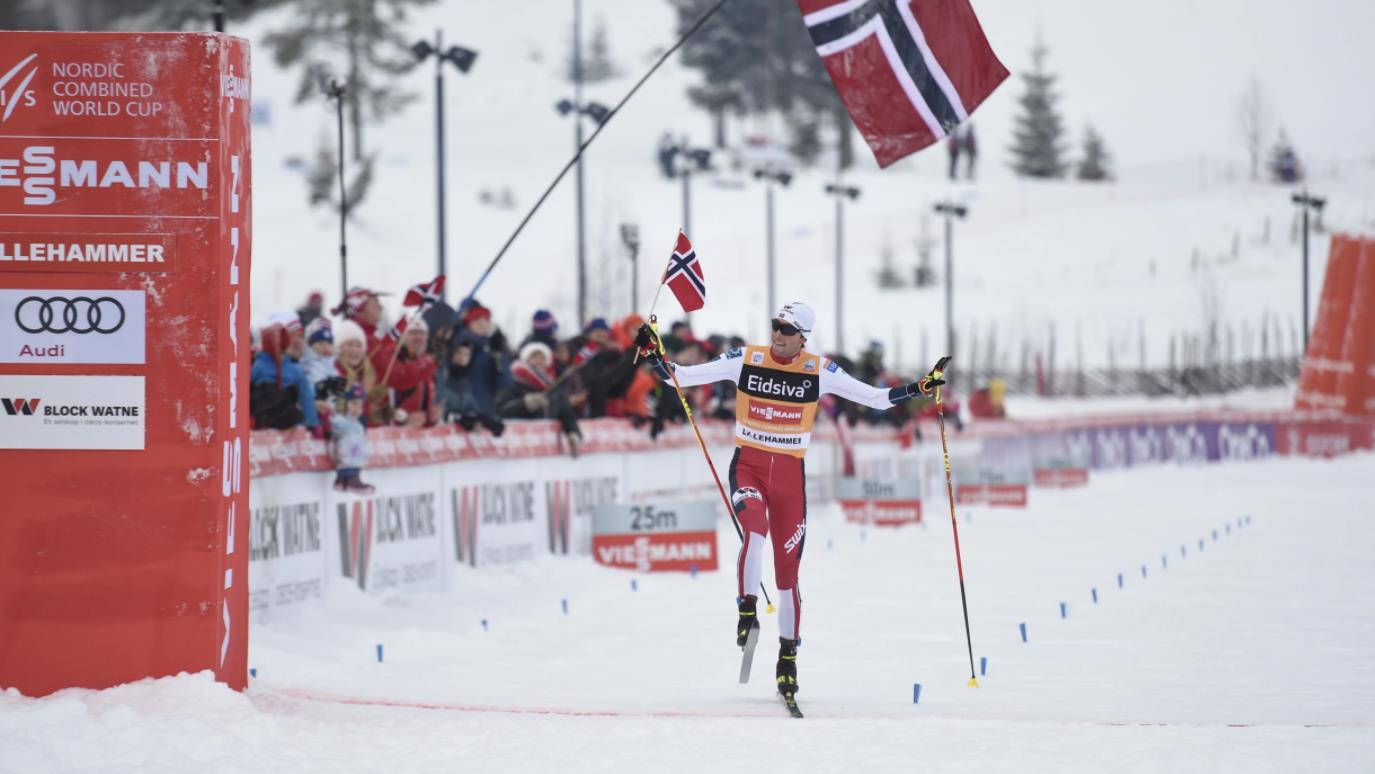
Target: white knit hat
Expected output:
[529,350]
[348,330]
[798,315]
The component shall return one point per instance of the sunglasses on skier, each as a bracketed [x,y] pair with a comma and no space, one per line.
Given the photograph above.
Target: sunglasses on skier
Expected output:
[785,328]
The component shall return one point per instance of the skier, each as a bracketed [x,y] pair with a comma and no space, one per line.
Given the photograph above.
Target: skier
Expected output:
[777,388]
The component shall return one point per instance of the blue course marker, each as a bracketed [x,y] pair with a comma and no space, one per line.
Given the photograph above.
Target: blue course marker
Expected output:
[1200,544]
[565,606]
[1119,580]
[1022,626]
[692,568]
[1143,570]
[1163,563]
[1181,552]
[916,693]
[1094,592]
[1248,519]
[379,652]
[829,544]
[634,585]
[1064,610]
[252,672]
[983,665]
[1214,536]
[1228,529]
[484,624]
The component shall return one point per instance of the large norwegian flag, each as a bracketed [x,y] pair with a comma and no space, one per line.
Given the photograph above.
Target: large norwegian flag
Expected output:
[908,71]
[684,276]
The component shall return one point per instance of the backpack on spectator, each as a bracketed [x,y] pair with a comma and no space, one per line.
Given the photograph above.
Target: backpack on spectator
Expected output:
[274,407]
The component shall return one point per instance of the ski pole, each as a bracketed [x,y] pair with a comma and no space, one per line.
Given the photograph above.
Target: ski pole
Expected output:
[659,344]
[950,493]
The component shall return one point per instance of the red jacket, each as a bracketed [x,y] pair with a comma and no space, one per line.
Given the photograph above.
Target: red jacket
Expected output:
[412,382]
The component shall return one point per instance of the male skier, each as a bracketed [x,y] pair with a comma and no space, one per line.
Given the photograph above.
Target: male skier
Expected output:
[776,402]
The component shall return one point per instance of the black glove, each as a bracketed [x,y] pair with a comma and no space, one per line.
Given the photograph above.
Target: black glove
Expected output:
[645,344]
[927,384]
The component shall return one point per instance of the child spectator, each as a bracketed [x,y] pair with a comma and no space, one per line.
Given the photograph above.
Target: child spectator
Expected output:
[350,444]
[318,358]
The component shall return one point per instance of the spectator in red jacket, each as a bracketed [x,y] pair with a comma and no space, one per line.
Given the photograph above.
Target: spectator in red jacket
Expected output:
[412,377]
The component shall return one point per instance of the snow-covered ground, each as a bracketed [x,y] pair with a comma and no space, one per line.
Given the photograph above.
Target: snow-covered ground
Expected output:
[1240,652]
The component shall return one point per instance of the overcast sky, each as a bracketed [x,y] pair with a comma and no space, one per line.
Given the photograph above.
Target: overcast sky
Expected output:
[1160,80]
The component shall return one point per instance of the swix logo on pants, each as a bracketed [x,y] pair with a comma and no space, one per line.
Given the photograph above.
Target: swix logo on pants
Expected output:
[355,533]
[796,539]
[17,406]
[464,502]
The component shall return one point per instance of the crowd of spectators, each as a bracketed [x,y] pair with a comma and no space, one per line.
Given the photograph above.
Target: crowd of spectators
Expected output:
[457,367]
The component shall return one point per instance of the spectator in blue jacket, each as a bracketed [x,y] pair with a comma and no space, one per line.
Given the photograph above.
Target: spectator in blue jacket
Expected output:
[473,374]
[276,382]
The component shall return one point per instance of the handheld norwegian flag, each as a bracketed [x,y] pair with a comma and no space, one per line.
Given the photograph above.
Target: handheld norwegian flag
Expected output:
[908,72]
[684,276]
[424,296]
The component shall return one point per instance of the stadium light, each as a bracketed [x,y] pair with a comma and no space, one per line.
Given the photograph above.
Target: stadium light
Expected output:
[462,59]
[841,193]
[1307,202]
[770,177]
[950,210]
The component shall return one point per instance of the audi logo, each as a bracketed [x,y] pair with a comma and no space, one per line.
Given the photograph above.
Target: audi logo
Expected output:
[60,314]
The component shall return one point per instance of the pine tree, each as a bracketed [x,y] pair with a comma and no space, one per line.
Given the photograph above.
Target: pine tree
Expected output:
[368,37]
[597,63]
[1095,163]
[1037,149]
[755,59]
[322,177]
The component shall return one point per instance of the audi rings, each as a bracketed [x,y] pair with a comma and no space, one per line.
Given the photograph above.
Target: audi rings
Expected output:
[59,314]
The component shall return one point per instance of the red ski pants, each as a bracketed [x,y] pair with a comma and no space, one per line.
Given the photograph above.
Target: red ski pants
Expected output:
[769,494]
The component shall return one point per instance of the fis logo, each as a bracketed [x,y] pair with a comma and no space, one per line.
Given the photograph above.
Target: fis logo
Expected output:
[355,543]
[20,93]
[741,496]
[20,406]
[757,358]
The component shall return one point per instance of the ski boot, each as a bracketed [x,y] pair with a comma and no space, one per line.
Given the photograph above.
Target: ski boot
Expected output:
[748,619]
[787,667]
[787,675]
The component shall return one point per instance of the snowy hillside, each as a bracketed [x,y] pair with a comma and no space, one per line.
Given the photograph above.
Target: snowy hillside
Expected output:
[1116,261]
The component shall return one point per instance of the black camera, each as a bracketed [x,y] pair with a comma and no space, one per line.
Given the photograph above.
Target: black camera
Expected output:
[331,387]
